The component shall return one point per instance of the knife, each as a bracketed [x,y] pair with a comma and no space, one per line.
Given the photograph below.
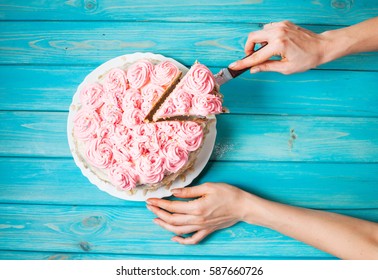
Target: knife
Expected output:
[227,74]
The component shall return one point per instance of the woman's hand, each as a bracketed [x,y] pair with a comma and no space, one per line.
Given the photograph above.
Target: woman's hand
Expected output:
[300,49]
[216,206]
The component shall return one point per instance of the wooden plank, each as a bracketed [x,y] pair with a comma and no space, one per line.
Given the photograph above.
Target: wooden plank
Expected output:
[320,12]
[240,137]
[324,93]
[92,43]
[321,186]
[25,255]
[118,231]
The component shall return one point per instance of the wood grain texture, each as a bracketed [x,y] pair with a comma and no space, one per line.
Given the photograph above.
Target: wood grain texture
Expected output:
[322,93]
[33,255]
[121,230]
[309,139]
[316,185]
[320,11]
[88,43]
[240,137]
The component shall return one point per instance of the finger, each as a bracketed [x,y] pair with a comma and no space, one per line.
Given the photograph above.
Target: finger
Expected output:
[255,37]
[256,58]
[191,192]
[173,219]
[179,230]
[272,66]
[172,206]
[194,239]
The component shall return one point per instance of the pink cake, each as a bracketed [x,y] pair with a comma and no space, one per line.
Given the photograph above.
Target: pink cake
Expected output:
[114,140]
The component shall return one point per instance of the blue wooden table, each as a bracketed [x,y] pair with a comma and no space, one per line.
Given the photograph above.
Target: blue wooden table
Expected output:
[309,139]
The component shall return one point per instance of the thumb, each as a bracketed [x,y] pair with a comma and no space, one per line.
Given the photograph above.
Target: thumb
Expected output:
[271,66]
[191,192]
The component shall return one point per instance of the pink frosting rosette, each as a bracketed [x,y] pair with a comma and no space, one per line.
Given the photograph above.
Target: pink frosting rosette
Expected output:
[175,156]
[182,101]
[206,104]
[191,135]
[162,135]
[111,114]
[139,73]
[116,82]
[168,129]
[137,149]
[86,123]
[132,99]
[132,117]
[199,80]
[151,92]
[121,153]
[167,109]
[144,132]
[91,96]
[99,152]
[150,168]
[164,73]
[146,107]
[123,176]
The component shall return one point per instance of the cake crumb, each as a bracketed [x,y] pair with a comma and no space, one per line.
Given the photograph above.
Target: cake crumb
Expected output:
[221,149]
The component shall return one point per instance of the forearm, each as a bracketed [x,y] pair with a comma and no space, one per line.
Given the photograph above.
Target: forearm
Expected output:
[342,236]
[361,37]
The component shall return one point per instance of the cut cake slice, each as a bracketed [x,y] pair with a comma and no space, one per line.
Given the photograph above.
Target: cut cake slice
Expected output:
[196,94]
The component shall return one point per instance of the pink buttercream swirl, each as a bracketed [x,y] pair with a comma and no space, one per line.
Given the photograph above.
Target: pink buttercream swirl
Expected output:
[144,132]
[116,83]
[132,99]
[91,96]
[199,80]
[86,123]
[206,105]
[152,92]
[132,117]
[123,176]
[175,156]
[150,168]
[139,73]
[99,152]
[111,114]
[164,73]
[191,135]
[166,110]
[182,101]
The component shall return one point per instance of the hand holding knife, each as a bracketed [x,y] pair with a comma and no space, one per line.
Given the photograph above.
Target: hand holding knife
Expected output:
[227,74]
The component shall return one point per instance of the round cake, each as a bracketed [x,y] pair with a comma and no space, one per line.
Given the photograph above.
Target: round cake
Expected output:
[141,123]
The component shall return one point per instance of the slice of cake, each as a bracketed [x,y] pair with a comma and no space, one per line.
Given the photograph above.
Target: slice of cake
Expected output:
[112,139]
[196,94]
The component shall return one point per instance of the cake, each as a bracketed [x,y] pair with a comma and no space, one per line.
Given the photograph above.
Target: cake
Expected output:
[142,125]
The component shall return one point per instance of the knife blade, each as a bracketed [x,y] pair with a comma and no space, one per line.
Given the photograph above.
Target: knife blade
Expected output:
[227,74]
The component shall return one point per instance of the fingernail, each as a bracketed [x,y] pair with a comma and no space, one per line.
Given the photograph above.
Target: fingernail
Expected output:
[148,207]
[233,64]
[255,70]
[156,221]
[148,201]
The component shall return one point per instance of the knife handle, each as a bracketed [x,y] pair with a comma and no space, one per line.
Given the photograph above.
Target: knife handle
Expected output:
[235,73]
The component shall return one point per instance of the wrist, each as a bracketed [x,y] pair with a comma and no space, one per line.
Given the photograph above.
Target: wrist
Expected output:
[253,210]
[335,44]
